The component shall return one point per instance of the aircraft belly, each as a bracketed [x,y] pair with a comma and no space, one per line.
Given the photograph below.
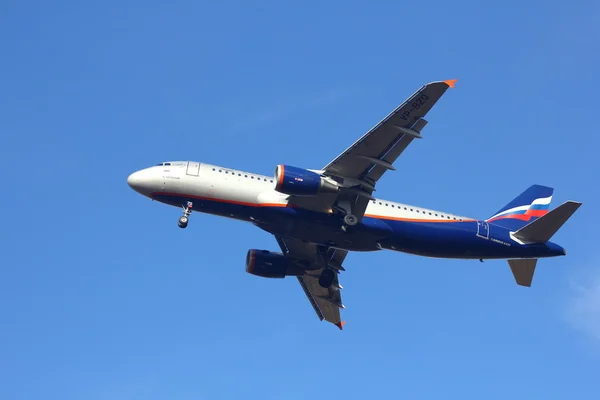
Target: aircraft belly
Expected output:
[325,229]
[441,239]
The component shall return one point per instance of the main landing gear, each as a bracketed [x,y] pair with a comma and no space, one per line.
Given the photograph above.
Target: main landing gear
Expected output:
[326,278]
[344,207]
[350,220]
[184,219]
[328,274]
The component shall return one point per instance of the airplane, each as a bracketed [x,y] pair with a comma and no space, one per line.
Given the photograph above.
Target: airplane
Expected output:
[317,216]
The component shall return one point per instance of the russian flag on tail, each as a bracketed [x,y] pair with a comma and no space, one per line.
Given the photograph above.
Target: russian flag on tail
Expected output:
[525,208]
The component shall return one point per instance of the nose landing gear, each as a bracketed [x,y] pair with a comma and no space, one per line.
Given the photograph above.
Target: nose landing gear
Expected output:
[184,219]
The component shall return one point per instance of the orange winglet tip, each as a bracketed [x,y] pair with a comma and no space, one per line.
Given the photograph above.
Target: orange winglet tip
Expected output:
[341,325]
[450,82]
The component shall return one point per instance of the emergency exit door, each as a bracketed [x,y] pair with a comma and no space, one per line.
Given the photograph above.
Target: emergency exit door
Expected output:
[193,168]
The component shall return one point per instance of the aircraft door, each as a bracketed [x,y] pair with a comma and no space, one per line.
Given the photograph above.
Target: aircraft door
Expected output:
[483,229]
[193,168]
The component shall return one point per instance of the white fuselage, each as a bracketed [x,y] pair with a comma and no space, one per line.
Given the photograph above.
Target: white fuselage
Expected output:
[246,188]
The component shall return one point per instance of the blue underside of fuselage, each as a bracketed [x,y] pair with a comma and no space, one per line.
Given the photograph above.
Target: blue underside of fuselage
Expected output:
[431,239]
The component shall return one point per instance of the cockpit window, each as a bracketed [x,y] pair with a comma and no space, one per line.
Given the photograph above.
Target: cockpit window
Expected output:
[164,163]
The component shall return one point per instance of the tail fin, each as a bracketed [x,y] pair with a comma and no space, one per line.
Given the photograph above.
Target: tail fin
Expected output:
[526,207]
[543,228]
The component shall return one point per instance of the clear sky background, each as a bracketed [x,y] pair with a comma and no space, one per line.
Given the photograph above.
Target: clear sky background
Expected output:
[103,297]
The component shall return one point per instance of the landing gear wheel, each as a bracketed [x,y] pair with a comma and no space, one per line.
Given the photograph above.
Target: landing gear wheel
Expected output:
[183,221]
[350,219]
[326,278]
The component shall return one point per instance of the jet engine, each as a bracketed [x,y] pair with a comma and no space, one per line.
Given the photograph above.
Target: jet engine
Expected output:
[301,182]
[270,265]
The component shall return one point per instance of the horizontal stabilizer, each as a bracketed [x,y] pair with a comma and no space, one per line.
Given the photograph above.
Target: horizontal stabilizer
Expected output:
[543,228]
[523,270]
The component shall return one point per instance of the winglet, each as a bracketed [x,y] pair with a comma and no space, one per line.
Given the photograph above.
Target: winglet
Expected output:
[341,325]
[450,82]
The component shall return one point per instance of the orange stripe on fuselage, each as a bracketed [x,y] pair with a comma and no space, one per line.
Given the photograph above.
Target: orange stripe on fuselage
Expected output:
[386,217]
[280,205]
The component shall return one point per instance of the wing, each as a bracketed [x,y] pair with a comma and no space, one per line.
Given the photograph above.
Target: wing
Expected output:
[374,153]
[359,167]
[326,302]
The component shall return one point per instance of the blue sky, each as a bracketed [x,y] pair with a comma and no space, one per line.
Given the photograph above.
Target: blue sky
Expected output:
[103,297]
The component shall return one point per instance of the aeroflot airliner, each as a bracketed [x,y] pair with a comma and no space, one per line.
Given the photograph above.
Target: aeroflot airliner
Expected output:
[318,216]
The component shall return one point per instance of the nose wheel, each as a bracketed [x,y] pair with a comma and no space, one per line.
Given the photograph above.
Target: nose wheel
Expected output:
[184,219]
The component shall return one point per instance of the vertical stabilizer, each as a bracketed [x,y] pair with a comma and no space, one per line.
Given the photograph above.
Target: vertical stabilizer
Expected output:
[525,208]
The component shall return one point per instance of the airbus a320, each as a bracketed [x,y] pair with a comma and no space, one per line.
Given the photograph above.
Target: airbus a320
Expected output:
[317,216]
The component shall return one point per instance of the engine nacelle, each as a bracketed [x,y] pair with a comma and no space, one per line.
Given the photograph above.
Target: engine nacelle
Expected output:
[301,182]
[270,265]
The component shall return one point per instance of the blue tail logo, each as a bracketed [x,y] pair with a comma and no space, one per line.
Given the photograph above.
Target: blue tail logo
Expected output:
[525,208]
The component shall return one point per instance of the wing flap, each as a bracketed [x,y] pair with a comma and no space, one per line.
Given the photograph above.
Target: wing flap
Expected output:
[326,302]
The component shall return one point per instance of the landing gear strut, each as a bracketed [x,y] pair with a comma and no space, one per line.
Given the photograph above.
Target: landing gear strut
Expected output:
[344,207]
[187,210]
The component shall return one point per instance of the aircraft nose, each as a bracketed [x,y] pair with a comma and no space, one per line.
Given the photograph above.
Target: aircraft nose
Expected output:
[141,182]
